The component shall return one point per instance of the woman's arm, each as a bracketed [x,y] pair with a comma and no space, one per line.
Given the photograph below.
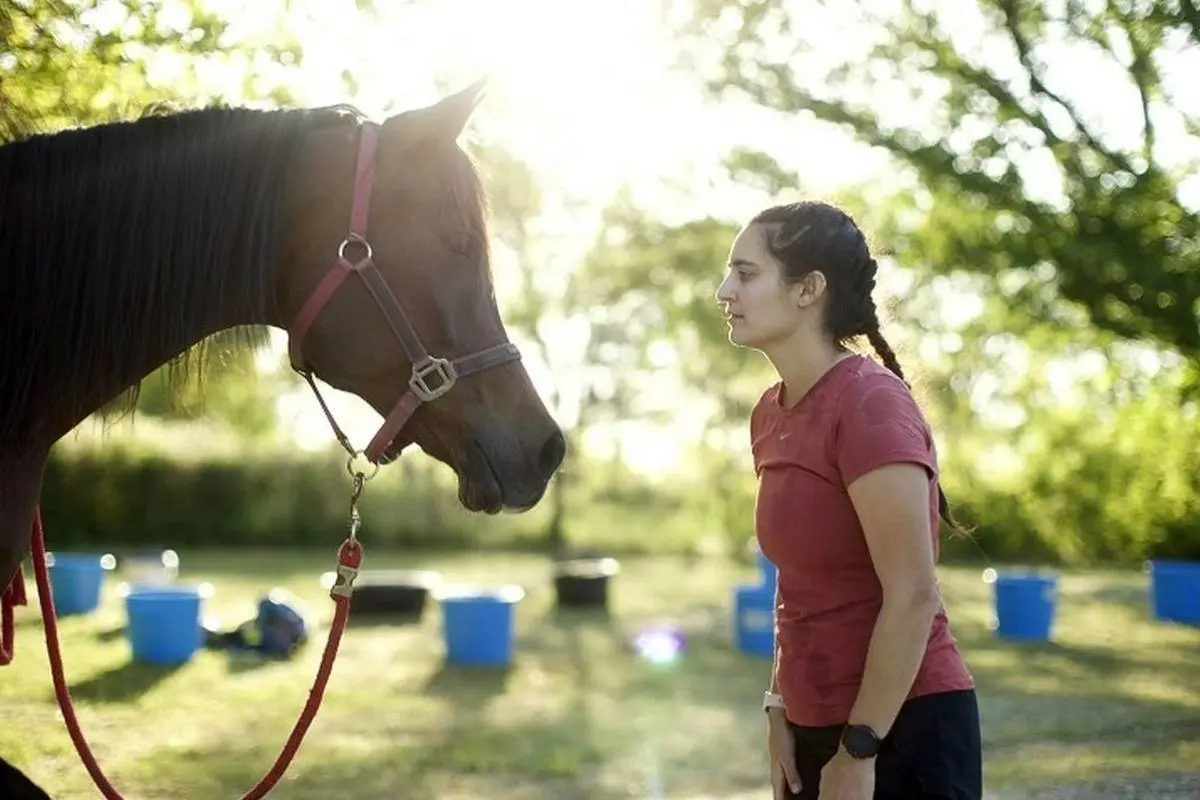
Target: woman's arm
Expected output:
[775,626]
[892,503]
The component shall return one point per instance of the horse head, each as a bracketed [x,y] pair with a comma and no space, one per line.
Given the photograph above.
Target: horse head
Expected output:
[384,286]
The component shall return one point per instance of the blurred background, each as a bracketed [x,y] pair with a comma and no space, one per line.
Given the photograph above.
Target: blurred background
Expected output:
[1030,174]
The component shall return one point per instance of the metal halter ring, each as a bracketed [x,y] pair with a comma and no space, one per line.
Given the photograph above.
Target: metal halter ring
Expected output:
[355,473]
[355,239]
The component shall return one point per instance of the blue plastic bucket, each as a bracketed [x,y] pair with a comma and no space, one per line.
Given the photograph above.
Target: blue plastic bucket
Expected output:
[164,623]
[478,625]
[754,620]
[76,580]
[768,574]
[1025,605]
[1175,590]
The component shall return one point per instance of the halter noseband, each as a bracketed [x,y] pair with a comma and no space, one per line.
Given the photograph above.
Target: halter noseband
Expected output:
[432,376]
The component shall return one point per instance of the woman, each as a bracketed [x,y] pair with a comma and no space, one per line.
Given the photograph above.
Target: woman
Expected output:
[870,698]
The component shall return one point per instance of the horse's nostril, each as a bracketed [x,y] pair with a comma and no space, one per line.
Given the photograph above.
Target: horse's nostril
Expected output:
[553,452]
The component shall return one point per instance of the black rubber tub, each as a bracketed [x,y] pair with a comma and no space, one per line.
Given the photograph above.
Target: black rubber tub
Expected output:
[584,582]
[393,593]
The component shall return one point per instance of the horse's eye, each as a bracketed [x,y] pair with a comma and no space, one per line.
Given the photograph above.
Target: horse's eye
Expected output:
[461,243]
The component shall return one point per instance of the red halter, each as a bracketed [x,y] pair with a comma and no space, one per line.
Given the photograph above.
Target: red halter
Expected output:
[432,376]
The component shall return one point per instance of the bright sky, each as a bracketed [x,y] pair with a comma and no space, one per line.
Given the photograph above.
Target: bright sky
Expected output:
[585,91]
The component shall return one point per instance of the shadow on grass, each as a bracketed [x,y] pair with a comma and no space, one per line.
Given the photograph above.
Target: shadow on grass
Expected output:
[684,724]
[1069,662]
[1072,711]
[1132,596]
[319,773]
[558,744]
[470,750]
[120,684]
[1138,766]
[467,687]
[111,634]
[24,617]
[557,747]
[238,662]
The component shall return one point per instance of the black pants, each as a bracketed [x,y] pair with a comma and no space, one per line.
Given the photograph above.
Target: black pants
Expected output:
[933,752]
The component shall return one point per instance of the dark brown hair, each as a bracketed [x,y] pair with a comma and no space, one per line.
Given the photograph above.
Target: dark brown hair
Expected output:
[811,235]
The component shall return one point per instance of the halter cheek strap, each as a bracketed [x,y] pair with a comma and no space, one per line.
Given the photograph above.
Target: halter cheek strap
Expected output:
[432,376]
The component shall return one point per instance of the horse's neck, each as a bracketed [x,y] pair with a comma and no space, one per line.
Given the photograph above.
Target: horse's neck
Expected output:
[20,484]
[160,337]
[109,381]
[127,263]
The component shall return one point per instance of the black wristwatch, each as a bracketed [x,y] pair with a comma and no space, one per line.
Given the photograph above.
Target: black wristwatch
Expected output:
[860,741]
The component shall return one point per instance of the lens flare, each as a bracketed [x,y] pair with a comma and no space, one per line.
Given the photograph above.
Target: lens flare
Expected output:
[660,644]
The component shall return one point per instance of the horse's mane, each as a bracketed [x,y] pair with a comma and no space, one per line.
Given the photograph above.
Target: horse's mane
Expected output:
[133,233]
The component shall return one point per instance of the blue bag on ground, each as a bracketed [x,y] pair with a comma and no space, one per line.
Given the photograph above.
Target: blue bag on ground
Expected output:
[277,631]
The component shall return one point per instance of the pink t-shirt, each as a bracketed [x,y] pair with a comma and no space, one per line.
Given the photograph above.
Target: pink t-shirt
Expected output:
[857,416]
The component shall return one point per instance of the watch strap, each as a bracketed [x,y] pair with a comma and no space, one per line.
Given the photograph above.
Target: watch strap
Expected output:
[860,741]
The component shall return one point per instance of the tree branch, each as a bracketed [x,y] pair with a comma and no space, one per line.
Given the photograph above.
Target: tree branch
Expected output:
[1189,13]
[933,161]
[955,65]
[1142,71]
[1025,55]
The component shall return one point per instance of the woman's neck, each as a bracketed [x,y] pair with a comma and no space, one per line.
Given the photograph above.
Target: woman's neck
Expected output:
[801,361]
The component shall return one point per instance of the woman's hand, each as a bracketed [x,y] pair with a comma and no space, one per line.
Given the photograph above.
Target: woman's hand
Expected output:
[781,744]
[846,778]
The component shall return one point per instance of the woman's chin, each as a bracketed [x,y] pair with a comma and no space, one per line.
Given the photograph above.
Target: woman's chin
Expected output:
[740,337]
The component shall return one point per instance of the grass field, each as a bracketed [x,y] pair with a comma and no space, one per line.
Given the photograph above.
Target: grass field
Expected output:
[1110,709]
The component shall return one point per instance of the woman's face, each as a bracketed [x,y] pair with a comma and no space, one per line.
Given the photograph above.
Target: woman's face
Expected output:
[759,307]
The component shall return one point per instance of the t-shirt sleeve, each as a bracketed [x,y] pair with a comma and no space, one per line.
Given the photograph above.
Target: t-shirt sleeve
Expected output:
[879,423]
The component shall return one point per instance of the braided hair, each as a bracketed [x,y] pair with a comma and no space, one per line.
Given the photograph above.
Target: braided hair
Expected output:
[812,235]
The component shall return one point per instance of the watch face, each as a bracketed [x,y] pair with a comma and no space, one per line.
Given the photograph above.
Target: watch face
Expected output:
[860,741]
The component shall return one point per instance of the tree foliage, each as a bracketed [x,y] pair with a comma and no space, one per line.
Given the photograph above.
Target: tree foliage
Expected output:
[1008,171]
[80,62]
[73,63]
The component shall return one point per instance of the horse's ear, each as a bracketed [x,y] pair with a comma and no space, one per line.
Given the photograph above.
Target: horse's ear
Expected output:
[461,104]
[442,121]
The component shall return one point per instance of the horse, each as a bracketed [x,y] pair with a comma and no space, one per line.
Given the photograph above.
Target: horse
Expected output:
[127,245]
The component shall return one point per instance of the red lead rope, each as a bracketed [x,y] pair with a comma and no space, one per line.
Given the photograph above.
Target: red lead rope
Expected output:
[349,559]
[13,596]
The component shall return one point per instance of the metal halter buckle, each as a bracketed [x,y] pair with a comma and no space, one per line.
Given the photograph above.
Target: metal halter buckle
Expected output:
[446,377]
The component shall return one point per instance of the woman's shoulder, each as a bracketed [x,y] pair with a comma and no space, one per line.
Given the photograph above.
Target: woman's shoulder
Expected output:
[767,402]
[866,377]
[769,396]
[762,408]
[871,395]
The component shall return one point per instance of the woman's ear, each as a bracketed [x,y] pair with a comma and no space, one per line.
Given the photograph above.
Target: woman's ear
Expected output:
[809,289]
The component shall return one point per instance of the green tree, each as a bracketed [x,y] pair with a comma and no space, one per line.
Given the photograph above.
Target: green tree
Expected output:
[81,62]
[1114,237]
[84,62]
